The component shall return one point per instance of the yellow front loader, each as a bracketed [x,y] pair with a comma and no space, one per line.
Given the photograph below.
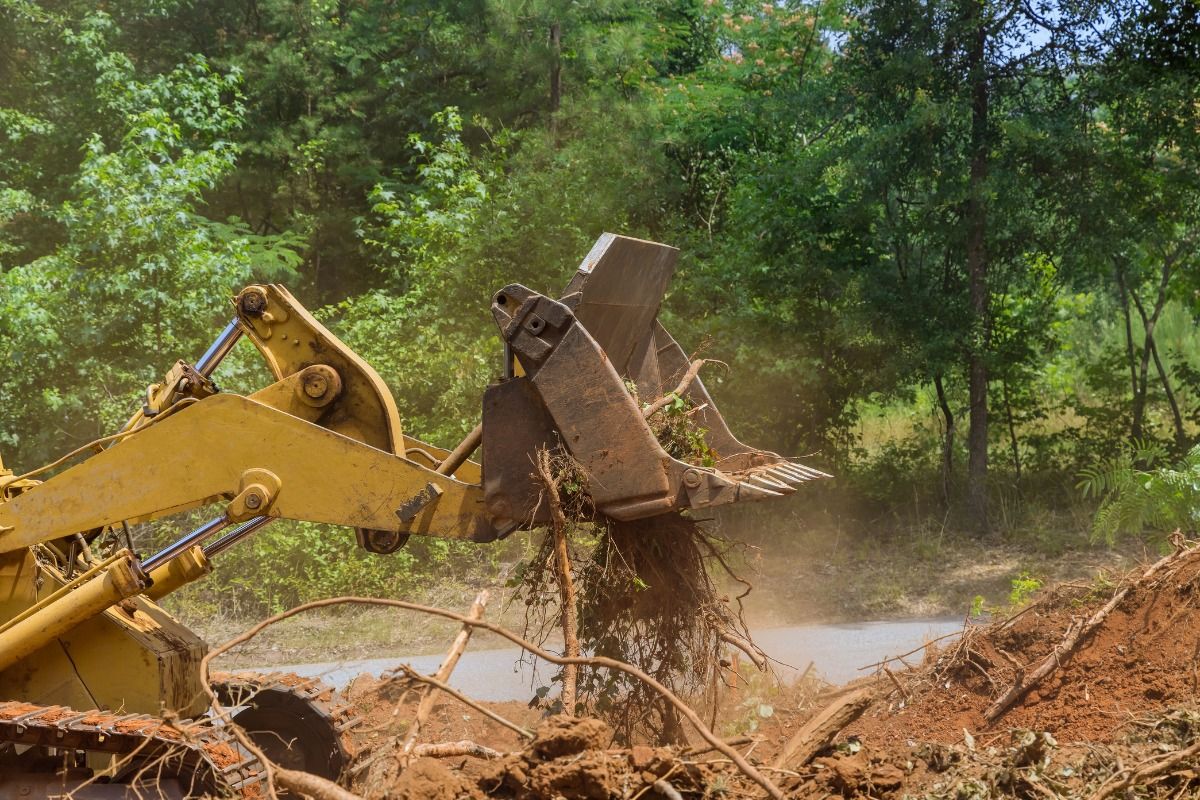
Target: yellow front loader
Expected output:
[90,664]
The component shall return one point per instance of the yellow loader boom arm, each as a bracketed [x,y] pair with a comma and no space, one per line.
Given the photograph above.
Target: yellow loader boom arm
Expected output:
[82,629]
[324,441]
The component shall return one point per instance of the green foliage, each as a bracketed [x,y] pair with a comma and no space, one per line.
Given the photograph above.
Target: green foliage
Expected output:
[1135,494]
[395,165]
[1024,586]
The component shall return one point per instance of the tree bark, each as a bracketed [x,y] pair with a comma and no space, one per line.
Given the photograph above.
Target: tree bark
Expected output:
[977,270]
[1012,434]
[1138,395]
[1176,416]
[555,73]
[947,441]
[1150,351]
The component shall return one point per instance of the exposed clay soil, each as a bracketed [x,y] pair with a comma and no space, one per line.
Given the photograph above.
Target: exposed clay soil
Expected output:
[1142,660]
[1124,695]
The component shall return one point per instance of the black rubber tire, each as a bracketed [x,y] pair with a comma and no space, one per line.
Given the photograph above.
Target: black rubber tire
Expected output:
[293,733]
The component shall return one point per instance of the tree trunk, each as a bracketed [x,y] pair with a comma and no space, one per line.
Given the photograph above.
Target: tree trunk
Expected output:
[555,73]
[1176,416]
[1012,434]
[1149,350]
[947,442]
[977,270]
[1138,396]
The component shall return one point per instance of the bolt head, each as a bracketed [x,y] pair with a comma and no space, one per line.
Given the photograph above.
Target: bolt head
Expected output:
[253,301]
[692,479]
[316,385]
[253,501]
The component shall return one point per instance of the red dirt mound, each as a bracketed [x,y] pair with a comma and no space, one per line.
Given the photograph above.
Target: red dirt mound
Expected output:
[1143,658]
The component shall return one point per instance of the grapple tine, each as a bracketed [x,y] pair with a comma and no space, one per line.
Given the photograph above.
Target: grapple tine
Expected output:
[812,473]
[751,491]
[790,469]
[789,478]
[772,483]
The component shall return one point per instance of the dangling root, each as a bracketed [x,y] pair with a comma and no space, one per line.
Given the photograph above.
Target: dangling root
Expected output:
[648,598]
[568,608]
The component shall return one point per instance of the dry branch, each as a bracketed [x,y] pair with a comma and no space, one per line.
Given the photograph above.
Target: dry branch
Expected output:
[460,697]
[1074,636]
[566,583]
[751,652]
[818,732]
[658,405]
[1126,779]
[443,674]
[306,784]
[454,750]
[733,755]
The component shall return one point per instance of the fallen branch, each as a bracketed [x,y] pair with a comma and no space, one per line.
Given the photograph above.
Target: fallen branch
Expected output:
[1161,766]
[1074,636]
[443,674]
[736,741]
[593,661]
[460,697]
[693,370]
[741,644]
[818,732]
[912,652]
[309,785]
[896,682]
[455,750]
[663,787]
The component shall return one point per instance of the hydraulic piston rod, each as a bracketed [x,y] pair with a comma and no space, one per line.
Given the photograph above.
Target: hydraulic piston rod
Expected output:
[236,535]
[213,526]
[192,562]
[219,349]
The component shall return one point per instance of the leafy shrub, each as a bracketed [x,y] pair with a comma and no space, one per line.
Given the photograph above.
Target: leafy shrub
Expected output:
[1134,498]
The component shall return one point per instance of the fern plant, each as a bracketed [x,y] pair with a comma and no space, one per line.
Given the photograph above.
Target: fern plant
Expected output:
[1135,494]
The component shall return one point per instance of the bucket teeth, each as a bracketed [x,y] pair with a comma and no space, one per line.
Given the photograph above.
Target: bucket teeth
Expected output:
[770,482]
[790,478]
[752,491]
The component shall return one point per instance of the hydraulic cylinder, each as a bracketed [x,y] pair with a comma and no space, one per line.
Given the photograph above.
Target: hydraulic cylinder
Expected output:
[90,594]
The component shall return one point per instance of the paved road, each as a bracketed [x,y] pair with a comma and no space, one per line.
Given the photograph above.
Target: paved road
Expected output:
[836,651]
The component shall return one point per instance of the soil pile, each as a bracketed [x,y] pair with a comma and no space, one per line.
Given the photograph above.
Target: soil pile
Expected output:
[1089,692]
[566,758]
[1143,658]
[1105,679]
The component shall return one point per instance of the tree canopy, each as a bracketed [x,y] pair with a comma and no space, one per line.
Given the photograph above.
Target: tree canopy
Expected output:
[948,247]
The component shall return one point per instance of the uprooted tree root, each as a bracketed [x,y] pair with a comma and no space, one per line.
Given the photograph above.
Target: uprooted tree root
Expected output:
[313,786]
[645,596]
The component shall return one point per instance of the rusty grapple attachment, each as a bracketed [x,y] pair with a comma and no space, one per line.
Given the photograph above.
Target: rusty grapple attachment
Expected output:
[566,386]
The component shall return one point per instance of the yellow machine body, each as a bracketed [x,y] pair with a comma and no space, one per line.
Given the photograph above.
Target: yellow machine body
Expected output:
[129,656]
[324,443]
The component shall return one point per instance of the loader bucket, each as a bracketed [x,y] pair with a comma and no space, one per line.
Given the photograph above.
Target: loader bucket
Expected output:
[577,355]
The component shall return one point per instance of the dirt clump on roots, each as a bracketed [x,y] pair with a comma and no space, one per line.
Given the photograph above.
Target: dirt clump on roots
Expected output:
[567,760]
[647,597]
